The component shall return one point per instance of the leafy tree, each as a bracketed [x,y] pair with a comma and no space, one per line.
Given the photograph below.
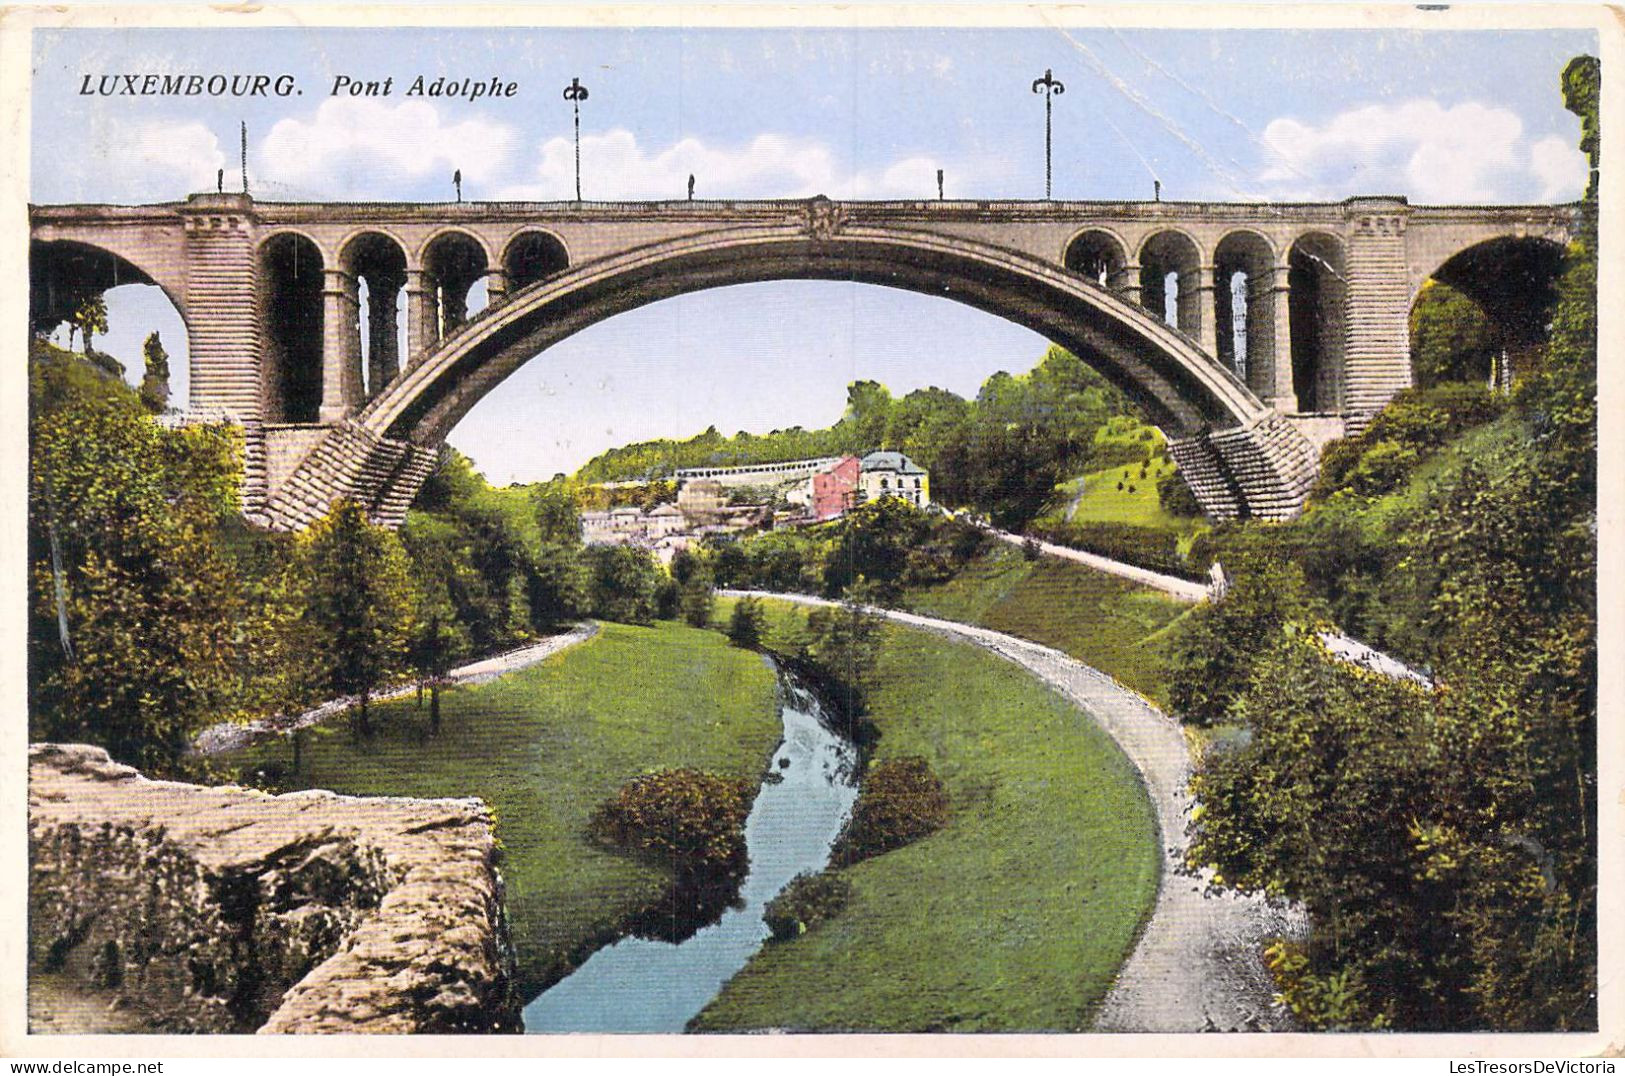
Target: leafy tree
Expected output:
[1214,647]
[689,820]
[557,519]
[155,378]
[843,646]
[362,596]
[697,600]
[560,587]
[436,646]
[89,317]
[747,623]
[1175,496]
[1452,339]
[132,636]
[626,583]
[900,802]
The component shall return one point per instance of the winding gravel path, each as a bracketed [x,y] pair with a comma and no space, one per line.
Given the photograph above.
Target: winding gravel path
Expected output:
[228,736]
[1196,966]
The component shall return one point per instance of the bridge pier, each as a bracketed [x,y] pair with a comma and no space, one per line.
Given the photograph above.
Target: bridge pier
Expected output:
[341,334]
[421,319]
[1207,326]
[496,286]
[1376,360]
[1274,386]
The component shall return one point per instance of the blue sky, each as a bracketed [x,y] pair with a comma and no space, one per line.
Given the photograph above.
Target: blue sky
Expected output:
[1443,116]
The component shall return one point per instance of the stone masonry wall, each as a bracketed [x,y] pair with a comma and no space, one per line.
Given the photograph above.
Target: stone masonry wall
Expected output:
[232,910]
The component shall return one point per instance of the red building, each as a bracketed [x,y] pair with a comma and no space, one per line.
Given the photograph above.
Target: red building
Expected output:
[835,490]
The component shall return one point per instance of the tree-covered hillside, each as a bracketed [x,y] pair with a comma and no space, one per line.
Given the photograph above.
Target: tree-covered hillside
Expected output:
[1443,839]
[1002,453]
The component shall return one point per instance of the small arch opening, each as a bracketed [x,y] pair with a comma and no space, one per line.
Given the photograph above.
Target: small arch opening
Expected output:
[1169,262]
[454,264]
[1486,312]
[1318,290]
[378,264]
[1097,256]
[292,270]
[115,313]
[1244,307]
[532,257]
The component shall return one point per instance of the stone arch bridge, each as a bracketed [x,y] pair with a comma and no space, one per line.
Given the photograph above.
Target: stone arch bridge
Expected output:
[339,336]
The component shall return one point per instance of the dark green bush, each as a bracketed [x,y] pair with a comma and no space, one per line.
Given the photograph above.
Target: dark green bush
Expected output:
[807,901]
[900,801]
[1176,497]
[691,820]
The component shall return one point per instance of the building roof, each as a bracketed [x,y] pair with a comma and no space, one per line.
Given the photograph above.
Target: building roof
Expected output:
[891,461]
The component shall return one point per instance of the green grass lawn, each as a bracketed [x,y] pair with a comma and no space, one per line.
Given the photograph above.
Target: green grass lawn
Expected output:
[1136,504]
[546,745]
[1102,620]
[1016,915]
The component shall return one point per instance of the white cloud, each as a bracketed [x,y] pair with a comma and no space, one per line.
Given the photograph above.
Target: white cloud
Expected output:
[150,160]
[357,147]
[1561,167]
[1464,153]
[614,166]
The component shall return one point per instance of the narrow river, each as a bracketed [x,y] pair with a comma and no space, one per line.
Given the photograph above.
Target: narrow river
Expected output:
[639,985]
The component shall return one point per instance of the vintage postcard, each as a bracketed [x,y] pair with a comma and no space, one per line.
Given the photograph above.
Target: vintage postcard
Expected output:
[668,524]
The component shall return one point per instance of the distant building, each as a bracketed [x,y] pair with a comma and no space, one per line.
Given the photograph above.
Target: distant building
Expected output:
[629,525]
[836,490]
[701,500]
[758,474]
[892,474]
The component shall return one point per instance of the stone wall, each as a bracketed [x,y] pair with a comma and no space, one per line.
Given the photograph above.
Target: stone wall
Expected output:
[232,910]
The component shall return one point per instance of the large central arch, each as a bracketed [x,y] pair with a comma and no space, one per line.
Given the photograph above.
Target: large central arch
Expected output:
[386,446]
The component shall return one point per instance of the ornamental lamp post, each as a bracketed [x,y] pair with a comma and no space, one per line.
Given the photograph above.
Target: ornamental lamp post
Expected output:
[1050,87]
[575,93]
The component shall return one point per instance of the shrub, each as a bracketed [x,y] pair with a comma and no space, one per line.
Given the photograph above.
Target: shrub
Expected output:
[696,599]
[1144,547]
[900,801]
[807,901]
[746,623]
[690,820]
[1176,497]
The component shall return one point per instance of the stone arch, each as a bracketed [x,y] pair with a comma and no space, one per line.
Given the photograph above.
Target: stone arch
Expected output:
[292,319]
[533,255]
[1170,265]
[1216,424]
[1512,280]
[63,273]
[1244,306]
[1097,254]
[1179,386]
[1318,285]
[375,264]
[453,261]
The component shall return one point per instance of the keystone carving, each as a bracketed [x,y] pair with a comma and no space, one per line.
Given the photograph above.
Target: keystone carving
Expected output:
[823,219]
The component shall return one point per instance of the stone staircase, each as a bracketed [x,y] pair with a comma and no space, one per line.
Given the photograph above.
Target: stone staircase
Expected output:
[1261,471]
[379,473]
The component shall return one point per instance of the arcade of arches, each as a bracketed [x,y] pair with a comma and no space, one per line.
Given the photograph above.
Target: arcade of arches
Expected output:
[346,339]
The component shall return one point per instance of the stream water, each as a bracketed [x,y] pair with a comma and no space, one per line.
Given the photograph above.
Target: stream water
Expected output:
[650,986]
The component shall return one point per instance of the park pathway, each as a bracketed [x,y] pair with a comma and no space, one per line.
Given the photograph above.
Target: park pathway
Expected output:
[1172,585]
[1197,964]
[229,736]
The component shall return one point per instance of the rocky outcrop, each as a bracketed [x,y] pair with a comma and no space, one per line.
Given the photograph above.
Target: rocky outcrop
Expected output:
[233,910]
